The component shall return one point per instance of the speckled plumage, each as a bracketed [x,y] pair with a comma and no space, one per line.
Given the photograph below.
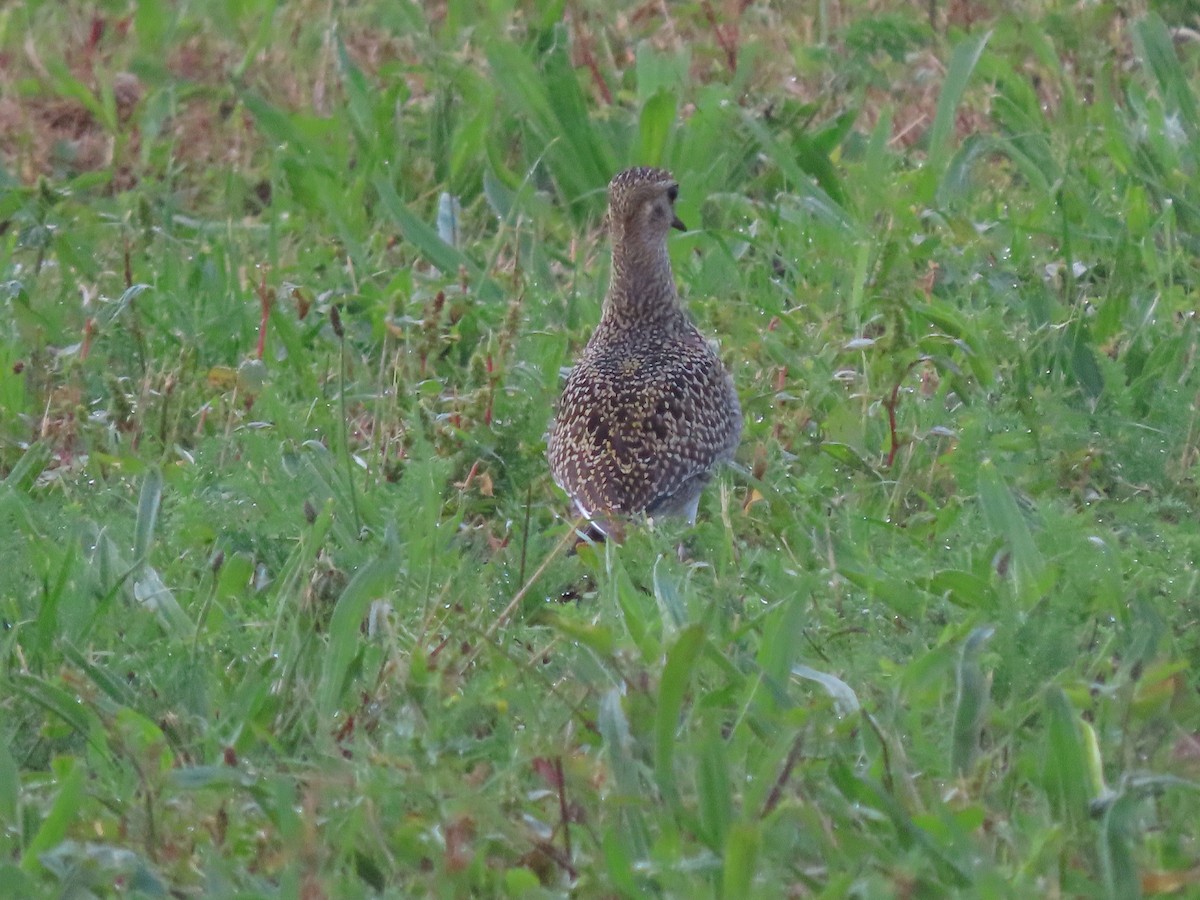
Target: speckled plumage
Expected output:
[648,411]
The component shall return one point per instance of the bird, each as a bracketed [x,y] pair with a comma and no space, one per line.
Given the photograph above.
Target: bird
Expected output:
[648,411]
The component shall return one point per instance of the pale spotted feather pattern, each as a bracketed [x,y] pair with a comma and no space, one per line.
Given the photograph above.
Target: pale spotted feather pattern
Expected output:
[648,410]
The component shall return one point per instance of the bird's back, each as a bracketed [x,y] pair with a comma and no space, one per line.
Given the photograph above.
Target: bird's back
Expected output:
[646,414]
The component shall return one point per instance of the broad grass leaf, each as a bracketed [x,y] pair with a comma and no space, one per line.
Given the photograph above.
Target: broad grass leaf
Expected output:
[845,701]
[151,592]
[873,796]
[1036,173]
[670,603]
[619,862]
[1004,517]
[591,151]
[1083,361]
[116,688]
[629,602]
[551,107]
[958,74]
[1115,846]
[877,162]
[812,154]
[619,744]
[847,455]
[962,588]
[138,735]
[811,195]
[69,709]
[147,512]
[900,594]
[972,688]
[1065,772]
[469,143]
[952,322]
[233,581]
[31,464]
[741,857]
[1115,131]
[716,122]
[285,129]
[1152,41]
[66,85]
[660,71]
[550,13]
[70,775]
[598,637]
[654,127]
[10,786]
[780,646]
[47,618]
[151,21]
[715,790]
[262,14]
[957,183]
[676,678]
[500,197]
[447,258]
[518,882]
[345,627]
[358,97]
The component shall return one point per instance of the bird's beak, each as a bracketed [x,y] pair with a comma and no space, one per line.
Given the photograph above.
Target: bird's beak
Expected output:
[678,223]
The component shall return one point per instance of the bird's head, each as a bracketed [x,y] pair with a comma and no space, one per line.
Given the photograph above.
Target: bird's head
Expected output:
[641,204]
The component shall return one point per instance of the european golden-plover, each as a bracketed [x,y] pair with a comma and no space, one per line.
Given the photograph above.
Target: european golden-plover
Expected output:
[648,411]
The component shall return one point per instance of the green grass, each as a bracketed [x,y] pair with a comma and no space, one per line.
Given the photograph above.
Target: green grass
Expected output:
[301,621]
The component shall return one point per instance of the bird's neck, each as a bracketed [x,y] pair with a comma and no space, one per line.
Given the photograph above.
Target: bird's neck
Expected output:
[642,287]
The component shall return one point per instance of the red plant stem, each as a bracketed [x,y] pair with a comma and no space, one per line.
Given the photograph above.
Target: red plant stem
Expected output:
[890,404]
[589,60]
[727,36]
[562,806]
[89,331]
[491,371]
[891,411]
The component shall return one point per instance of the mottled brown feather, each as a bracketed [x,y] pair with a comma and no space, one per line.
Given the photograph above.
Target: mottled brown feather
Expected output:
[648,410]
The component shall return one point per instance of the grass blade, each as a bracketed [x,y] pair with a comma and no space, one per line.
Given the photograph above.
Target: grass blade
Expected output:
[970,702]
[813,198]
[10,788]
[67,806]
[1066,765]
[1005,519]
[715,790]
[619,744]
[345,627]
[147,513]
[670,603]
[741,857]
[31,464]
[676,677]
[845,701]
[1154,46]
[654,127]
[962,64]
[1115,840]
[416,232]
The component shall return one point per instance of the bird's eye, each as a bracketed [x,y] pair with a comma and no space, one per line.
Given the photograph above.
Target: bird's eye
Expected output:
[673,192]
